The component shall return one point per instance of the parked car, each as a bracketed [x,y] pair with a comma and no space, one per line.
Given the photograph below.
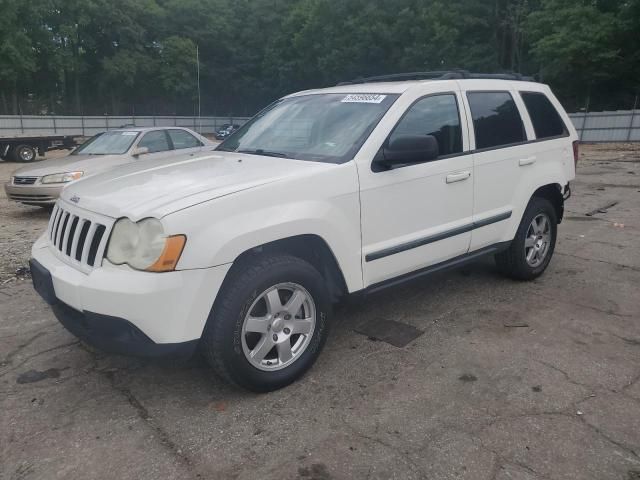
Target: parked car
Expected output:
[226,130]
[326,193]
[41,183]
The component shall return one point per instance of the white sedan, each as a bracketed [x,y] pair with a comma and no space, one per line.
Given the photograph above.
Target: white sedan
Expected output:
[41,183]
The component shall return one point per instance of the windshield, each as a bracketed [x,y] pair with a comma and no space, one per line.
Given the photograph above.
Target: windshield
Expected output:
[107,143]
[324,127]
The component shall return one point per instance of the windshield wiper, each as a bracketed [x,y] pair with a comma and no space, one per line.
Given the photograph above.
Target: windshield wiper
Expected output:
[266,153]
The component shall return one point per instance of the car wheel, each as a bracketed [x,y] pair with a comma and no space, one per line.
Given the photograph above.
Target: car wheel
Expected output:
[268,324]
[24,153]
[533,246]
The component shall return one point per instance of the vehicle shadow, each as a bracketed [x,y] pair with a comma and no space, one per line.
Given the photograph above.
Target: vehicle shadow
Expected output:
[350,315]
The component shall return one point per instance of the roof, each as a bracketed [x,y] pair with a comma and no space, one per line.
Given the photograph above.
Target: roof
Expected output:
[145,129]
[401,82]
[399,87]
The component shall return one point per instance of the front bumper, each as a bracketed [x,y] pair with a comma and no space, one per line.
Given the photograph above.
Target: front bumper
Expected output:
[125,311]
[33,194]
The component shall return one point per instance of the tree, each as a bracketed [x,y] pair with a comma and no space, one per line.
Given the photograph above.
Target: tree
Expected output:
[17,58]
[125,56]
[573,42]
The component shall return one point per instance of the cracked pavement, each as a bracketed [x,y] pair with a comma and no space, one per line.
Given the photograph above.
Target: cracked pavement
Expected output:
[554,394]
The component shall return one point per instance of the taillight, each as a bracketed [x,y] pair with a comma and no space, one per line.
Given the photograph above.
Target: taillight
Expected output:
[576,153]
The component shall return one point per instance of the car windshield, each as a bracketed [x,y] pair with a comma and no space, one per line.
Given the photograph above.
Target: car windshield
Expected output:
[322,127]
[107,143]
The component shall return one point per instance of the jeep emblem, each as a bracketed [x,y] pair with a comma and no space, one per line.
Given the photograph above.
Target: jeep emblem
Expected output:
[75,199]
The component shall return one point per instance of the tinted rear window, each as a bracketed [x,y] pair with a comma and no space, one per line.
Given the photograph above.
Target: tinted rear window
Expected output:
[544,116]
[496,119]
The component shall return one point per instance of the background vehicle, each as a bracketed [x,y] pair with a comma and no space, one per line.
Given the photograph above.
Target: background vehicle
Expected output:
[226,130]
[26,148]
[325,193]
[41,184]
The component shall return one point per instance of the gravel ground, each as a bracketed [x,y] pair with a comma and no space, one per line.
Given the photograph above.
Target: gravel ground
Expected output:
[510,380]
[20,226]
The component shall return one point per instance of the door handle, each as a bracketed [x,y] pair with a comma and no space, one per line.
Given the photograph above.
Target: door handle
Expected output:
[458,177]
[527,161]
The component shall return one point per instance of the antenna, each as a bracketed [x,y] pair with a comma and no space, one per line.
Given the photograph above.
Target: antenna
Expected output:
[198,75]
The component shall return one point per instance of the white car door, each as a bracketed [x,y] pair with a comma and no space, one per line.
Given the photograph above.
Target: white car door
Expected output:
[418,215]
[500,137]
[183,141]
[157,141]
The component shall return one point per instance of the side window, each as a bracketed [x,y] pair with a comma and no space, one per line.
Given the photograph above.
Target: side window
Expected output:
[182,139]
[155,141]
[496,119]
[544,116]
[435,115]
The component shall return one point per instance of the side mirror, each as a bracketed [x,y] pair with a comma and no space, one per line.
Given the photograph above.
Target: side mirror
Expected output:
[139,151]
[405,149]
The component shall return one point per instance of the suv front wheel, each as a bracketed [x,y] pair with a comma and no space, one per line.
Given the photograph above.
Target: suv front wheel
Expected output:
[269,323]
[532,248]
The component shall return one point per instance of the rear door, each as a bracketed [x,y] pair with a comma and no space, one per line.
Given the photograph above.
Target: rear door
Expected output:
[500,138]
[183,141]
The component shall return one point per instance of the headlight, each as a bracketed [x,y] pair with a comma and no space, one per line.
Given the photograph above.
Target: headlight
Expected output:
[62,177]
[144,245]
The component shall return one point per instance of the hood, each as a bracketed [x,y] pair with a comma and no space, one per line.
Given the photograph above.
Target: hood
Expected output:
[159,187]
[88,164]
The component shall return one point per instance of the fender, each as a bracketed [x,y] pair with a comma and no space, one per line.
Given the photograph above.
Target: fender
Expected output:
[325,204]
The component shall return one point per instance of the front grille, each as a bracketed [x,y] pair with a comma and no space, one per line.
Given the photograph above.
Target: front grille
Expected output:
[79,239]
[24,180]
[26,198]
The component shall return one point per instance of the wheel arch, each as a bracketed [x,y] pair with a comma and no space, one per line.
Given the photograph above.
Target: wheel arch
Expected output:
[309,247]
[553,193]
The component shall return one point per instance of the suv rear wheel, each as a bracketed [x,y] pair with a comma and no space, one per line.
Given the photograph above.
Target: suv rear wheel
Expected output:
[532,248]
[269,323]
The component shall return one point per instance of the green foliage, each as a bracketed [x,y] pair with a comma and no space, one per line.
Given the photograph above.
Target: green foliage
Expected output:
[138,56]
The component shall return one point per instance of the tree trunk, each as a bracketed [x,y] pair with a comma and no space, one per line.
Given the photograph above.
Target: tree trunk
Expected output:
[78,103]
[14,100]
[5,105]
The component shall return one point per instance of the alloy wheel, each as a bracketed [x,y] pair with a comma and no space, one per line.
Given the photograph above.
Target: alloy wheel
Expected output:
[538,240]
[278,326]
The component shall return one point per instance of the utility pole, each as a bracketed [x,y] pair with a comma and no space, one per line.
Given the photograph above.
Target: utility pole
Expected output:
[198,78]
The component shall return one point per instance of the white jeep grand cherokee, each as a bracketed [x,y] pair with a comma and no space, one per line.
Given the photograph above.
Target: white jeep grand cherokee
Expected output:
[324,193]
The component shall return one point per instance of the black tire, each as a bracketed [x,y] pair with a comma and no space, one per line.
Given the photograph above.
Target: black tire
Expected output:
[513,261]
[24,153]
[222,338]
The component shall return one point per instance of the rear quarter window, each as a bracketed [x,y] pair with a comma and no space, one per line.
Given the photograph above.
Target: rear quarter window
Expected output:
[546,120]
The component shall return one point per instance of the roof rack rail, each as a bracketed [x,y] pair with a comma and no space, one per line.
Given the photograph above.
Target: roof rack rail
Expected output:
[439,75]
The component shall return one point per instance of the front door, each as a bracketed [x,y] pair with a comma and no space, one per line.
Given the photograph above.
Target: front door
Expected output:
[157,141]
[183,141]
[418,215]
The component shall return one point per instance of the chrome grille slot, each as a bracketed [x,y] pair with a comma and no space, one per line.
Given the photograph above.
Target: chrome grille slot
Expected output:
[83,238]
[95,243]
[72,235]
[56,225]
[62,240]
[78,237]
